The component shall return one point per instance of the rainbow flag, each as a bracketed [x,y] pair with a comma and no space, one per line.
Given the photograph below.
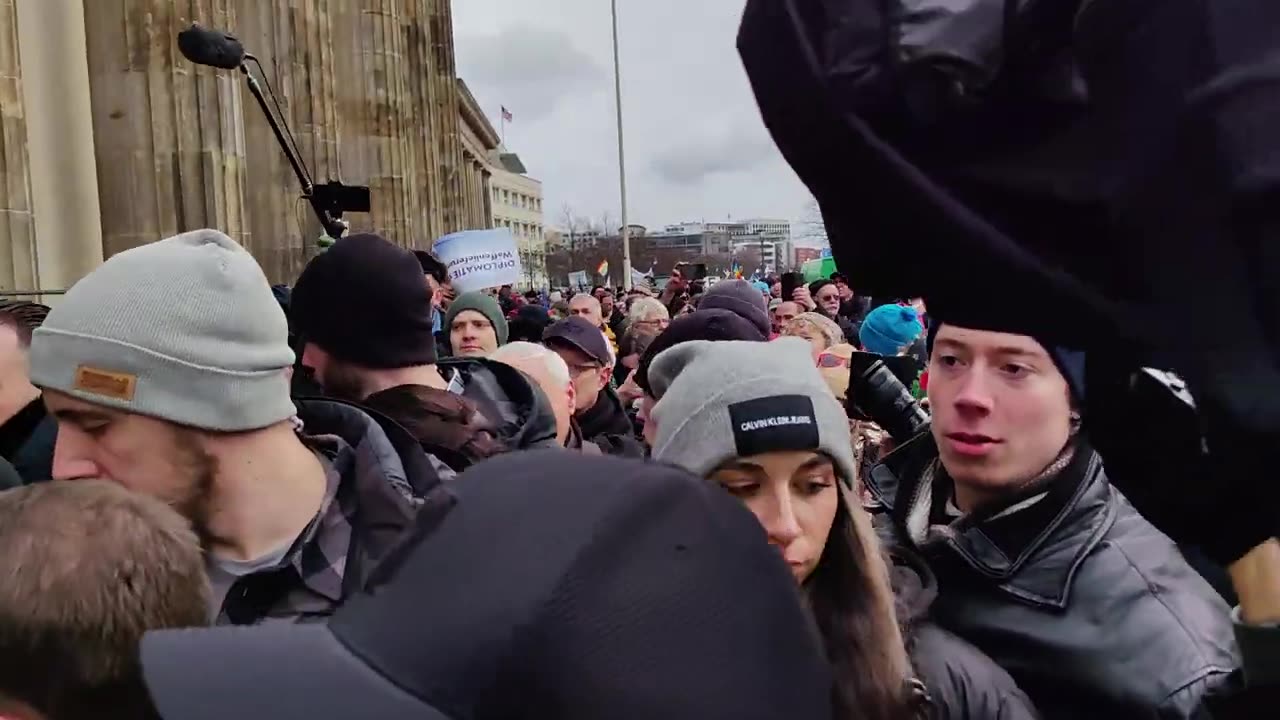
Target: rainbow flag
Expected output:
[603,270]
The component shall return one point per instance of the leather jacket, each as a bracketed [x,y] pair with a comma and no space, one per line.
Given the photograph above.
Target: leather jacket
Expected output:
[1092,610]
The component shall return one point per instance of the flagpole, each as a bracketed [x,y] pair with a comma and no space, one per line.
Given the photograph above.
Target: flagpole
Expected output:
[622,160]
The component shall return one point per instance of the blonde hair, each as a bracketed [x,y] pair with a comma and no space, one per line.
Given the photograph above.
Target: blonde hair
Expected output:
[647,309]
[821,324]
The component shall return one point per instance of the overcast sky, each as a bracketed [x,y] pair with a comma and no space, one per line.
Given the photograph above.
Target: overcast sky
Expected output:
[696,147]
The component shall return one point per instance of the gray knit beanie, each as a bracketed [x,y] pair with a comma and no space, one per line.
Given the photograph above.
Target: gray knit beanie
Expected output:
[723,400]
[185,330]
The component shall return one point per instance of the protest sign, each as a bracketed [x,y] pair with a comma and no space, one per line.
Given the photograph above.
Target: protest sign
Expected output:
[479,259]
[578,279]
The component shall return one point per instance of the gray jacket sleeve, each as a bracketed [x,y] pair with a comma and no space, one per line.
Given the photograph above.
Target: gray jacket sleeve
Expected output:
[1259,651]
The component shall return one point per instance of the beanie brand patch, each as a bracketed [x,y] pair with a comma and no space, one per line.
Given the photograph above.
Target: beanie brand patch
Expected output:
[114,385]
[774,424]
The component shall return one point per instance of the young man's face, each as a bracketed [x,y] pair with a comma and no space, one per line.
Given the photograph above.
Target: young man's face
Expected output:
[783,314]
[846,292]
[146,455]
[472,335]
[606,304]
[1001,409]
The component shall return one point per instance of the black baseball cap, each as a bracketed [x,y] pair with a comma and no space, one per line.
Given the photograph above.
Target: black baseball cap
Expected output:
[558,586]
[581,335]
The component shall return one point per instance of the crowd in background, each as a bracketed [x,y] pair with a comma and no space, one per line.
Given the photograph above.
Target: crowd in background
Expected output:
[258,456]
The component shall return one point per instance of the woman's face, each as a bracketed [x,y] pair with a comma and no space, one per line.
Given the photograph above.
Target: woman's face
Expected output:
[794,495]
[645,416]
[817,342]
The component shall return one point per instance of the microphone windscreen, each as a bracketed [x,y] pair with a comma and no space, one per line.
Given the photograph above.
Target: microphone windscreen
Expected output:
[210,47]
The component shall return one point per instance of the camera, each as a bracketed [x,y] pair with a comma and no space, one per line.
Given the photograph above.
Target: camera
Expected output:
[879,393]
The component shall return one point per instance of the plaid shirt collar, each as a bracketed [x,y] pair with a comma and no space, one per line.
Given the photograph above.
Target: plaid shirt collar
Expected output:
[308,581]
[320,554]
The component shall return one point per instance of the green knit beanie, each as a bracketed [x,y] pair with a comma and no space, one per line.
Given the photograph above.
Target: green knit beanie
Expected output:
[484,304]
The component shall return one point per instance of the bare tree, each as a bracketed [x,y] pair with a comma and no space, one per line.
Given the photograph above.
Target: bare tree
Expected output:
[570,222]
[811,228]
[608,228]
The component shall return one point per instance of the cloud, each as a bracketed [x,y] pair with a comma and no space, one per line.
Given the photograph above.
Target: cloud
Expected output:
[693,160]
[531,70]
[696,147]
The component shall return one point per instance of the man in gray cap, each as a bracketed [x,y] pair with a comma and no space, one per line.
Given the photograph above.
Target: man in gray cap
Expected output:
[167,370]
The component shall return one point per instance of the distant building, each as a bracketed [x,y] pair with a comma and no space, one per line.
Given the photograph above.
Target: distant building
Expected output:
[517,205]
[805,254]
[769,237]
[694,238]
[511,199]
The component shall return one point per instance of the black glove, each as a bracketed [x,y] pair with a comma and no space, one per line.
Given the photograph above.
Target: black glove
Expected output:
[1198,481]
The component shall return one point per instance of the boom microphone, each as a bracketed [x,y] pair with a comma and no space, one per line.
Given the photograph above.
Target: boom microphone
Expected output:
[214,48]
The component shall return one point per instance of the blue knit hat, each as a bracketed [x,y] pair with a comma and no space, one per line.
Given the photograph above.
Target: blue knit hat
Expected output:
[889,328]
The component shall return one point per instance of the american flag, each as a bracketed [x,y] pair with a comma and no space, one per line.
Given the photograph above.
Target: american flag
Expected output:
[506,114]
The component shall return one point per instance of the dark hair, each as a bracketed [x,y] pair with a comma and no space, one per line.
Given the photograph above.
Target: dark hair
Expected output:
[23,317]
[432,266]
[852,601]
[75,603]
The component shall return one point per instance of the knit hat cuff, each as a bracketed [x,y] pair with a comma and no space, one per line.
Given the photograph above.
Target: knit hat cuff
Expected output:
[879,337]
[701,458]
[375,353]
[131,378]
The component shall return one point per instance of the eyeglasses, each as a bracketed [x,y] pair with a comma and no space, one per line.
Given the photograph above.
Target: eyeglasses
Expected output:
[827,360]
[578,370]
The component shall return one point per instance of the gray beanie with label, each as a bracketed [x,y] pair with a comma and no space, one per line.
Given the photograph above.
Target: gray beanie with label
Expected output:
[184,329]
[723,400]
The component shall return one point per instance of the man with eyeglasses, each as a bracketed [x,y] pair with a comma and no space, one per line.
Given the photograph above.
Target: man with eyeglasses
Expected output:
[598,415]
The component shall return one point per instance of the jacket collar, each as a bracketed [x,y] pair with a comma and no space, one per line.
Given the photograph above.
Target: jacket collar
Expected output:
[606,416]
[386,478]
[1031,554]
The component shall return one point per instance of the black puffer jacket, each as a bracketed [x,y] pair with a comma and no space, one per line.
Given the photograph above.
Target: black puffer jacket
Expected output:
[962,682]
[1091,609]
[608,425]
[518,411]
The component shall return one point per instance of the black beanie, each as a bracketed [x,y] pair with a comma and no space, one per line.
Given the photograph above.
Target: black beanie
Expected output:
[365,301]
[712,324]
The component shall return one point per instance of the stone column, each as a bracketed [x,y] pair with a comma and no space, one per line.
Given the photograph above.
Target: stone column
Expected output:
[17,222]
[294,40]
[170,135]
[60,145]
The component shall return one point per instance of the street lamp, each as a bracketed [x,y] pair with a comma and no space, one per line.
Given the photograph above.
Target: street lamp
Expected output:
[622,158]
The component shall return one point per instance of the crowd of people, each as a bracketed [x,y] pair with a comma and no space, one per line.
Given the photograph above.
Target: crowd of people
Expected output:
[403,498]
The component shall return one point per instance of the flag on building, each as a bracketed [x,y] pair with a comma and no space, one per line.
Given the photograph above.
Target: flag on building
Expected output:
[506,114]
[604,268]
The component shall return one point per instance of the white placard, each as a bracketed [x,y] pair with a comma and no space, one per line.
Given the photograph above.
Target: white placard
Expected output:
[479,259]
[578,279]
